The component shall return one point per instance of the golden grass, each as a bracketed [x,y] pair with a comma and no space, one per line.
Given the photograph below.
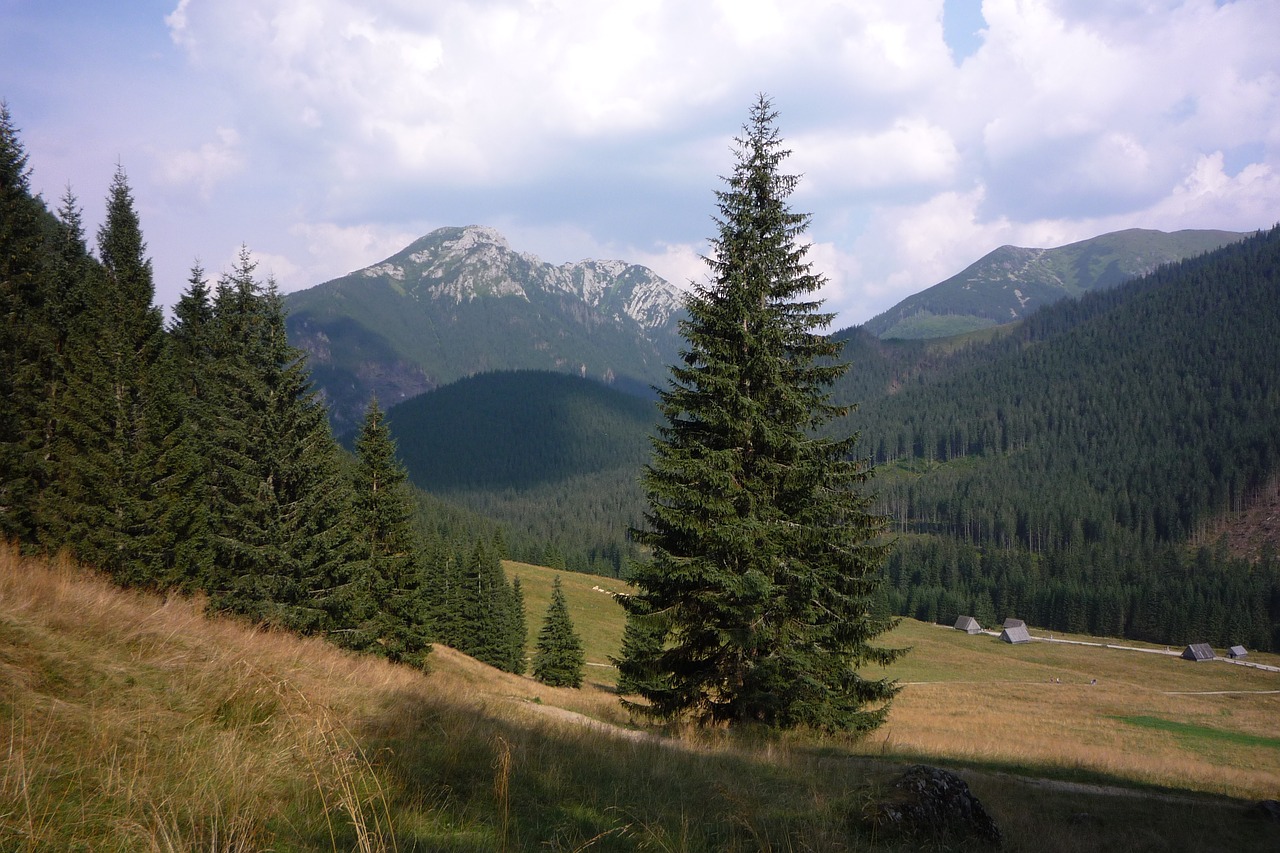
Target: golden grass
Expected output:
[133,722]
[1034,706]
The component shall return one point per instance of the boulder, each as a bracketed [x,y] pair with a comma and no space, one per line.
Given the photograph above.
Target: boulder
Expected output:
[929,801]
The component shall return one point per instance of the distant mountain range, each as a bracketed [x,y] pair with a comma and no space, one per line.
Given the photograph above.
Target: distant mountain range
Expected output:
[461,301]
[1011,282]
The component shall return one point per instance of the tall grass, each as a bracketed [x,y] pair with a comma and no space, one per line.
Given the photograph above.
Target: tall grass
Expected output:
[133,722]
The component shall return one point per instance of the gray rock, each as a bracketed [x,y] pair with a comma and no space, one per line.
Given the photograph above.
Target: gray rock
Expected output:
[933,802]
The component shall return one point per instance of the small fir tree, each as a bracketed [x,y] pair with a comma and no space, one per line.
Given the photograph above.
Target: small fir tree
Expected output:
[387,549]
[765,558]
[558,658]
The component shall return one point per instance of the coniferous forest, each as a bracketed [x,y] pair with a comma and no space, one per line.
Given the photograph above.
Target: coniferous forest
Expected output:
[195,456]
[1069,470]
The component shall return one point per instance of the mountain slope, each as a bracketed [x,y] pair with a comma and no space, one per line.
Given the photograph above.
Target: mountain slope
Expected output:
[460,301]
[1011,282]
[555,458]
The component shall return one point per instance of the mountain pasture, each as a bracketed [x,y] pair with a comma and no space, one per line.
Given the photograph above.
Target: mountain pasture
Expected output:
[135,722]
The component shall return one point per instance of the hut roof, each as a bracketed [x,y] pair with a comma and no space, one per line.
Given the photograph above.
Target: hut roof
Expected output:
[968,624]
[1198,651]
[1014,623]
[1238,652]
[1015,634]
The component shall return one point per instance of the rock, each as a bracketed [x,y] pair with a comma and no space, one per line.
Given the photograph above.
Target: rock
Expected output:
[1265,810]
[934,802]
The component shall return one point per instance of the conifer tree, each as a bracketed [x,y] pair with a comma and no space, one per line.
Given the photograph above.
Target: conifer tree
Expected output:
[765,558]
[558,658]
[388,553]
[105,506]
[188,495]
[22,289]
[517,629]
[282,546]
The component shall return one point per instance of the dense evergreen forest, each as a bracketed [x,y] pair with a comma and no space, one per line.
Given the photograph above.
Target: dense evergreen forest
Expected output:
[554,458]
[198,457]
[1056,471]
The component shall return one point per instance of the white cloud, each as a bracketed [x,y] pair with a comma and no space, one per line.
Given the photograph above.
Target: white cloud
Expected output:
[204,167]
[1069,119]
[911,152]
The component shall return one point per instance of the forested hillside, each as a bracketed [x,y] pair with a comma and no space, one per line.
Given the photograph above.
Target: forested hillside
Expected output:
[198,457]
[552,457]
[1057,471]
[1012,283]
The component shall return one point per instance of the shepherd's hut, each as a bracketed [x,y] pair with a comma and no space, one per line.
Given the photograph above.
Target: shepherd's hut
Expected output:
[1014,623]
[969,625]
[1238,652]
[1198,651]
[1015,633]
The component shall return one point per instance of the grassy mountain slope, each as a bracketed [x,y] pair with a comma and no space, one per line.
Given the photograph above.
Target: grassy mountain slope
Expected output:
[135,723]
[1011,282]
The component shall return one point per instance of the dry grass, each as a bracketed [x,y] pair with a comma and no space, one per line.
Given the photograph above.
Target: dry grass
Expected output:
[127,714]
[136,723]
[1034,706]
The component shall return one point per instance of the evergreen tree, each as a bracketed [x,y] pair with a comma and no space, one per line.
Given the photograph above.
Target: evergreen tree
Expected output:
[282,545]
[558,658]
[105,501]
[517,629]
[22,291]
[642,641]
[388,552]
[765,558]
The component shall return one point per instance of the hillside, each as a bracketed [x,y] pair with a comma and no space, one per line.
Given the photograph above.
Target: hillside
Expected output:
[1011,283]
[552,457]
[460,301]
[134,722]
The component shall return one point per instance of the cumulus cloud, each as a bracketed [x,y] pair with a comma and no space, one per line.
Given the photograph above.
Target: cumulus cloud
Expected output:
[588,129]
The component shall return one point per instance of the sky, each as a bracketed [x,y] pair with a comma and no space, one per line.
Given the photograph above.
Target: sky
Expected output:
[325,135]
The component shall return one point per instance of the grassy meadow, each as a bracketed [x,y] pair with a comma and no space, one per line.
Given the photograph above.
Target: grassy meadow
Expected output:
[133,722]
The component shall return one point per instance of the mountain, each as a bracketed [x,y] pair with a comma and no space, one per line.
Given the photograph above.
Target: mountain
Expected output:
[460,301]
[1011,282]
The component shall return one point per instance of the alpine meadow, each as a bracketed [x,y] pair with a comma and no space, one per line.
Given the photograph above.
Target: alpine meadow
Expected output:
[466,551]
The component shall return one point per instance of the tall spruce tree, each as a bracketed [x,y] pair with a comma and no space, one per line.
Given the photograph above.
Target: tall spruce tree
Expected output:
[282,542]
[765,557]
[387,549]
[106,504]
[558,658]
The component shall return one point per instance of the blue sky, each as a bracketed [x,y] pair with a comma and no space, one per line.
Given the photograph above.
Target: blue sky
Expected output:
[327,134]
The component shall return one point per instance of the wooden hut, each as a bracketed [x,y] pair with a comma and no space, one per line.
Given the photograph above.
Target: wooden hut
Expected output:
[1014,623]
[969,625]
[1015,633]
[1198,652]
[1238,652]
